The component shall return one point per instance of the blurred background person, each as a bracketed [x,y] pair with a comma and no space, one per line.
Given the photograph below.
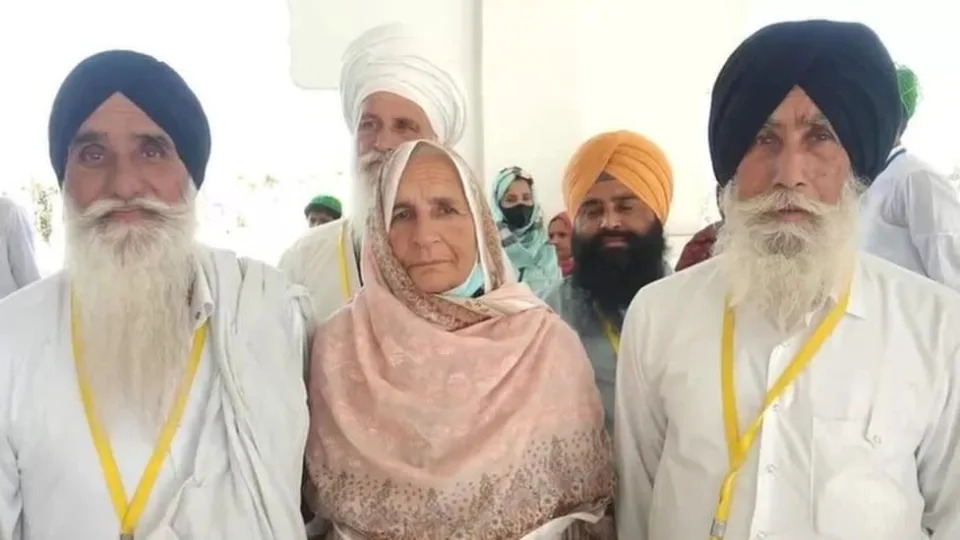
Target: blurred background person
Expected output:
[560,232]
[911,213]
[700,247]
[18,265]
[322,209]
[522,232]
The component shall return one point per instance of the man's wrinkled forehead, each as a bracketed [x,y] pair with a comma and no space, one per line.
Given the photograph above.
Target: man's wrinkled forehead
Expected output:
[385,104]
[119,119]
[797,110]
[119,113]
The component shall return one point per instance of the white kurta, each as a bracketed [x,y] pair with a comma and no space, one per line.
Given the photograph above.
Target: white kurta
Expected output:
[911,217]
[18,265]
[51,483]
[315,262]
[864,445]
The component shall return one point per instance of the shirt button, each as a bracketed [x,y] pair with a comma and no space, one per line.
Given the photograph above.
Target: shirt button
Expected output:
[775,407]
[760,536]
[876,440]
[771,469]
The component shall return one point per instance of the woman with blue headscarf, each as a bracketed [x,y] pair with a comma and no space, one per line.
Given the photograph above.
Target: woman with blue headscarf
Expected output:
[522,232]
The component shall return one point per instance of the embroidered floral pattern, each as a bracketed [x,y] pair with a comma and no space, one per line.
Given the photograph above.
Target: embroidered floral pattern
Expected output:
[556,478]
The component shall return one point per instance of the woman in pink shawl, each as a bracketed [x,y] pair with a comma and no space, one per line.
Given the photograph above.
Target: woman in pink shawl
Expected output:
[446,401]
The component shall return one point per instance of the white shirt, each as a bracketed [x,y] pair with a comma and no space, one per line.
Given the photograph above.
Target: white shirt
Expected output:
[51,482]
[18,266]
[911,216]
[318,260]
[865,445]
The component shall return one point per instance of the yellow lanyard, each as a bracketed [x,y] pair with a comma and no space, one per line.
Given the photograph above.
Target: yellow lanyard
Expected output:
[129,514]
[738,447]
[612,335]
[344,271]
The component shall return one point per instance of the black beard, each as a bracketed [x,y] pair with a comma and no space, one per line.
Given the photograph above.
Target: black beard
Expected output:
[611,277]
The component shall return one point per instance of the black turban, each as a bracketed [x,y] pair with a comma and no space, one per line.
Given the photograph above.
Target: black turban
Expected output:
[843,67]
[150,84]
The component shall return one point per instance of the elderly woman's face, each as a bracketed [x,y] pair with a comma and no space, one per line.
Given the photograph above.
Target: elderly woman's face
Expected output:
[431,228]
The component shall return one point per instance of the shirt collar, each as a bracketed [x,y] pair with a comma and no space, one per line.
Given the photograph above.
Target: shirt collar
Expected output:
[856,306]
[201,299]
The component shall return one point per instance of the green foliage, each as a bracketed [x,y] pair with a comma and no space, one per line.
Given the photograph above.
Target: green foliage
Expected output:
[44,197]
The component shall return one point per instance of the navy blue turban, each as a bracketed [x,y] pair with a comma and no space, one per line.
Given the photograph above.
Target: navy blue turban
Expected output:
[150,84]
[843,67]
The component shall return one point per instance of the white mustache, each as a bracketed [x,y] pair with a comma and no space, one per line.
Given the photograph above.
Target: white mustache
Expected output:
[96,212]
[780,199]
[370,161]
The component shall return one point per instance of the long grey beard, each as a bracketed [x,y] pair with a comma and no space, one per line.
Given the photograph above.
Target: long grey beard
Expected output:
[133,284]
[366,171]
[787,270]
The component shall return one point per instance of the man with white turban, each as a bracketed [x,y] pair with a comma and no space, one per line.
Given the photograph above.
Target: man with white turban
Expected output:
[154,388]
[395,87]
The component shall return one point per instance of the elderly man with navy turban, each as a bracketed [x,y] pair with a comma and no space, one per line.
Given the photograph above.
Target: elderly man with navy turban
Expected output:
[792,387]
[153,389]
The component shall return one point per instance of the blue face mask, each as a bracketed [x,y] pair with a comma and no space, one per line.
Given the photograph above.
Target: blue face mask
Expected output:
[470,286]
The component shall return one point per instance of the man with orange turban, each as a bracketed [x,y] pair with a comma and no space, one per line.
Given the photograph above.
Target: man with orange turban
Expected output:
[617,189]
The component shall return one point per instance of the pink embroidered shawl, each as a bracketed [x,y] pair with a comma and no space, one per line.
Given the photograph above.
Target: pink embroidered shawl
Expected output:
[438,418]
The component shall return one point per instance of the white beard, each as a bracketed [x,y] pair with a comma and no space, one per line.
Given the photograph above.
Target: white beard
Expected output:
[787,269]
[133,284]
[366,170]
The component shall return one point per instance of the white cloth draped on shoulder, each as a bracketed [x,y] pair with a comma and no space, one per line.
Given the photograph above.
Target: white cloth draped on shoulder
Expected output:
[251,490]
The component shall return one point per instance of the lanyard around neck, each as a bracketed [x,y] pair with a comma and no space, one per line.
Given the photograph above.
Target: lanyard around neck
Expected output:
[613,336]
[738,446]
[128,514]
[344,269]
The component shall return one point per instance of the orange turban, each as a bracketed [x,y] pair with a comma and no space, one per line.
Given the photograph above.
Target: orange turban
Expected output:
[632,159]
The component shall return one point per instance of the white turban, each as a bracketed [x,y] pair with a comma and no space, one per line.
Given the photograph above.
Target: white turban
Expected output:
[389,59]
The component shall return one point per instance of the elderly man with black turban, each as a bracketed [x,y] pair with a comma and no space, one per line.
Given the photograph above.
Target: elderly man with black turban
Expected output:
[154,388]
[791,387]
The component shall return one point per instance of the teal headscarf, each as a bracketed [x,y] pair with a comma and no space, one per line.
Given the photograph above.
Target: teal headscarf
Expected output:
[528,248]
